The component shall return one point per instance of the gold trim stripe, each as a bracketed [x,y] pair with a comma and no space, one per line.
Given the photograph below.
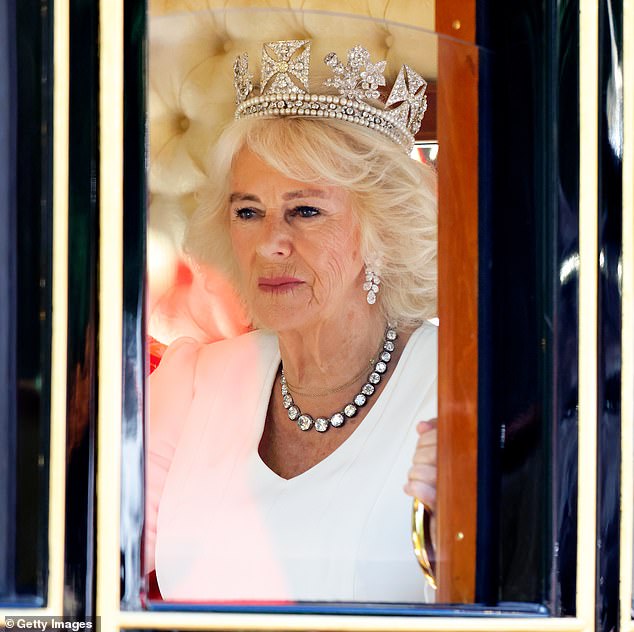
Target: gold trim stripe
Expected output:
[627,326]
[110,309]
[244,621]
[224,621]
[588,261]
[61,96]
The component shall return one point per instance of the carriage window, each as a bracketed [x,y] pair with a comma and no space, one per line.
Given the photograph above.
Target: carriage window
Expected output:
[373,379]
[282,233]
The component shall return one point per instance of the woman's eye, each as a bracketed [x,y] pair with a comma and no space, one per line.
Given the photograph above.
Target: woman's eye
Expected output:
[245,213]
[306,211]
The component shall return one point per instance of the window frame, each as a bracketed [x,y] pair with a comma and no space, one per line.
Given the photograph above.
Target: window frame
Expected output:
[111,361]
[110,396]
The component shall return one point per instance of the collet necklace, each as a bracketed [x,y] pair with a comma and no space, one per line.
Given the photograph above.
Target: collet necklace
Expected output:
[337,419]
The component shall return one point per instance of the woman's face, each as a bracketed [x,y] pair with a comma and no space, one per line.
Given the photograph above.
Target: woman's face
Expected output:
[297,246]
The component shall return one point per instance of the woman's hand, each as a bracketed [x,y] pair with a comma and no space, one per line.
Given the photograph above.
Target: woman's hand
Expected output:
[421,478]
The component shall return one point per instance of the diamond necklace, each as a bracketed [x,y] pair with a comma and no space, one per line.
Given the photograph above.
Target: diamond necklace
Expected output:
[321,424]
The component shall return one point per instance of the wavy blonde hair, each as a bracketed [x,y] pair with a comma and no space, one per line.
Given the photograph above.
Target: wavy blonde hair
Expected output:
[393,196]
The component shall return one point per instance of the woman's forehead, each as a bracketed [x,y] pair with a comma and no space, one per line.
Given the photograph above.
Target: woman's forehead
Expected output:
[249,172]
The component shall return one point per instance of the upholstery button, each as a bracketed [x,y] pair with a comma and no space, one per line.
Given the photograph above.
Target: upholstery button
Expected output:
[389,41]
[227,46]
[183,123]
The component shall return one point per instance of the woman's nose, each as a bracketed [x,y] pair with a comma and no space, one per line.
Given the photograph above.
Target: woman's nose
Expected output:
[275,240]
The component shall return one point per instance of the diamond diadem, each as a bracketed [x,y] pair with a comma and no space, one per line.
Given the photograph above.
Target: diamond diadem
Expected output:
[284,90]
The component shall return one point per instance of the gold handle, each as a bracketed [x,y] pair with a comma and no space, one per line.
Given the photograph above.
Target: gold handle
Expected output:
[421,539]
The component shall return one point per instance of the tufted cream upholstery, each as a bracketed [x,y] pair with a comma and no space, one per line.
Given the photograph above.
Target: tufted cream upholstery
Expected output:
[192,46]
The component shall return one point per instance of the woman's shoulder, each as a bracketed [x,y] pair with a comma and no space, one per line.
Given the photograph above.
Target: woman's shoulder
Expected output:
[251,345]
[428,328]
[416,376]
[418,364]
[178,360]
[195,361]
[424,338]
[189,366]
[189,351]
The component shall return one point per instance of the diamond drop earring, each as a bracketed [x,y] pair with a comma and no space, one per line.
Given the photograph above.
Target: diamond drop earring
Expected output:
[371,285]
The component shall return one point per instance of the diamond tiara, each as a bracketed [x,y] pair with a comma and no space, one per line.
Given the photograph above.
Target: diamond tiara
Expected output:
[284,90]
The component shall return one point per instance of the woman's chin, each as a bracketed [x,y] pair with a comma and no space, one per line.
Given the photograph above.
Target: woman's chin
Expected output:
[282,316]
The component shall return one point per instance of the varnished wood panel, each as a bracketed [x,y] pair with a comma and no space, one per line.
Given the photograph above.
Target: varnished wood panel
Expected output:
[457,303]
[457,18]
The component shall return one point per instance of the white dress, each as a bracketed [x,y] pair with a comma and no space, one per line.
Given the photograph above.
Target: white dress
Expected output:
[222,526]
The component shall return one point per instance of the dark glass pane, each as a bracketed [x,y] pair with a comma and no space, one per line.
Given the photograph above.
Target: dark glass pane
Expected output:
[8,282]
[25,186]
[609,311]
[529,246]
[83,246]
[134,231]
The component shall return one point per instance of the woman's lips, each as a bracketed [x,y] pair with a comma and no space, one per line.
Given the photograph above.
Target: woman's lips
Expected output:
[278,284]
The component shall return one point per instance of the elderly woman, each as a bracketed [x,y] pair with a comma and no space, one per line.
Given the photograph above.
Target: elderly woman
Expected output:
[277,459]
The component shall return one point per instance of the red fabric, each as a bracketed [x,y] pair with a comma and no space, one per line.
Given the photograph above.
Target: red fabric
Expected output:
[153,591]
[156,350]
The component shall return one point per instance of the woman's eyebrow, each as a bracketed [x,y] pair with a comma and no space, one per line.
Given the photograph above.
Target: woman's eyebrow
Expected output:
[243,197]
[305,193]
[291,195]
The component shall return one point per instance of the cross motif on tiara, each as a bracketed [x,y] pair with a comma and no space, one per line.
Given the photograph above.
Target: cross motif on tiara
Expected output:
[285,67]
[411,92]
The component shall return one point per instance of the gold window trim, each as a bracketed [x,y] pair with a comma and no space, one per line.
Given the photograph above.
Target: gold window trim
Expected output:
[588,311]
[110,361]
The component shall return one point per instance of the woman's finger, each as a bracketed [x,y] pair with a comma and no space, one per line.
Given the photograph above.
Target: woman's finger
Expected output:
[427,424]
[425,473]
[428,438]
[425,455]
[421,477]
[425,493]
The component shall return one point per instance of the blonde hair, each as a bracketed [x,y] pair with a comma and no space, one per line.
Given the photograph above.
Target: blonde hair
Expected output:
[393,196]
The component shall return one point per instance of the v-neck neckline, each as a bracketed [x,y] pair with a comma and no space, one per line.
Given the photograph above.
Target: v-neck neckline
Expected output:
[344,450]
